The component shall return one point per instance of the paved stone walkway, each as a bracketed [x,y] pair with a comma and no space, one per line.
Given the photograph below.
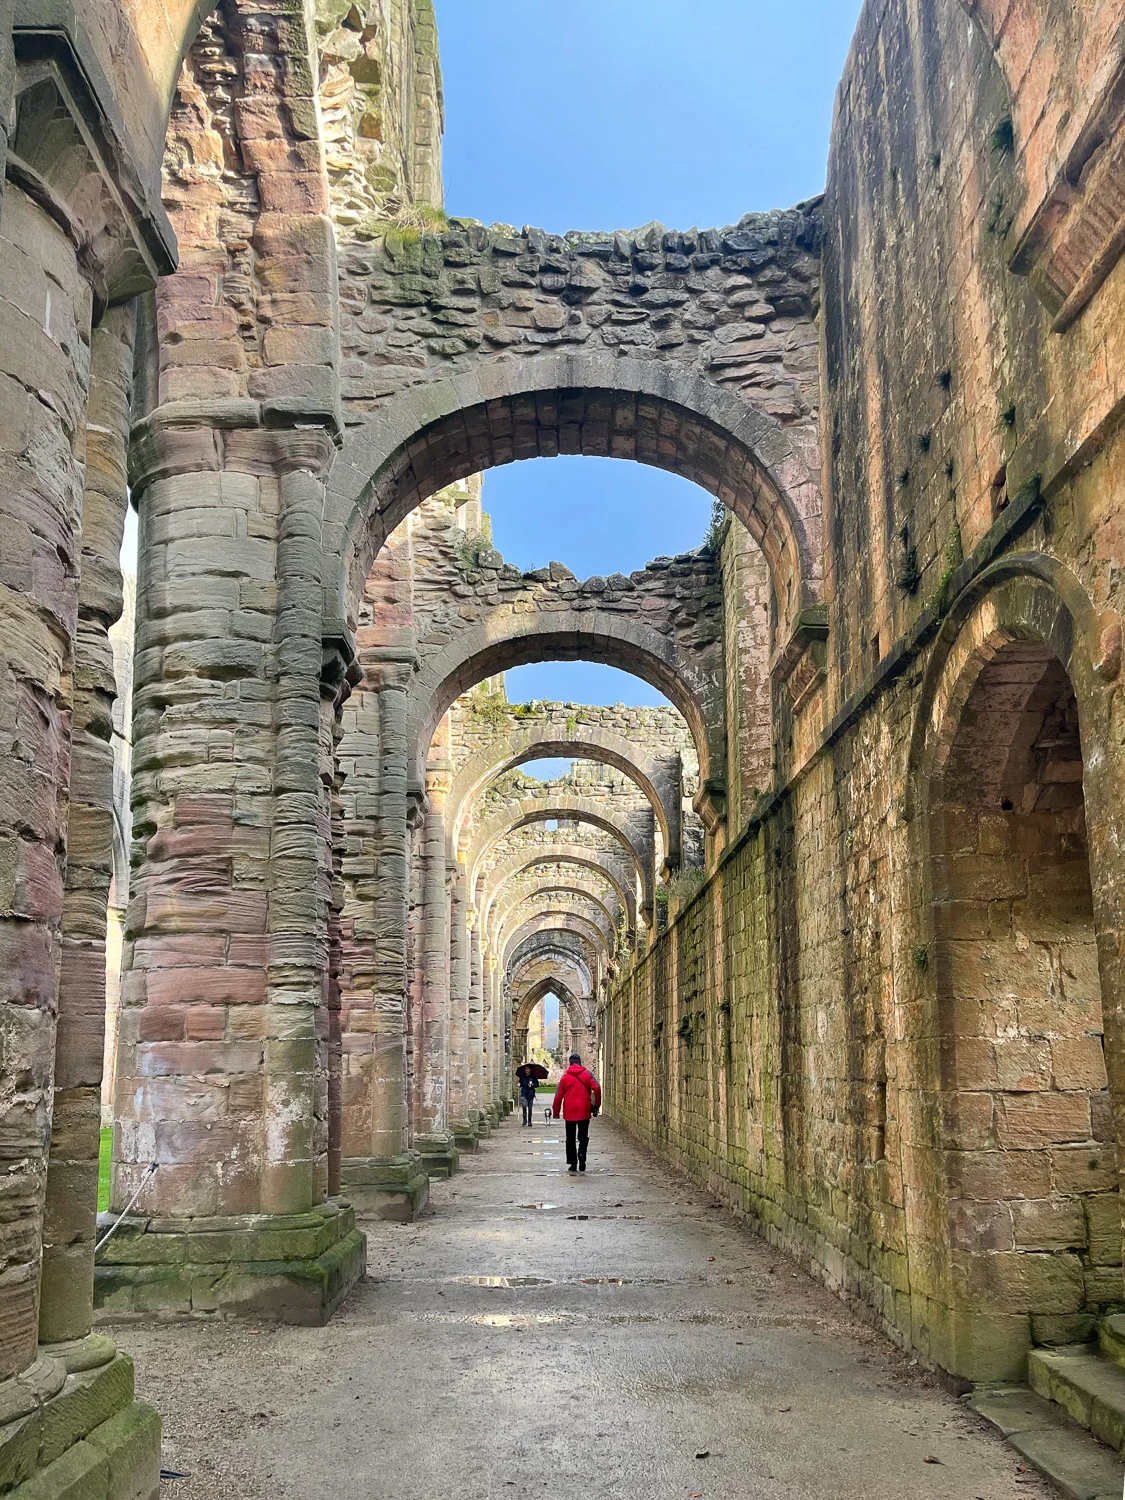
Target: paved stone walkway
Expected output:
[610,1335]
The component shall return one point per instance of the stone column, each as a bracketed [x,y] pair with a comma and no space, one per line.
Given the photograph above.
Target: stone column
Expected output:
[481,1095]
[496,1114]
[506,1040]
[68,1407]
[433,1135]
[381,1173]
[295,1165]
[462,1110]
[226,942]
[67,1291]
[45,311]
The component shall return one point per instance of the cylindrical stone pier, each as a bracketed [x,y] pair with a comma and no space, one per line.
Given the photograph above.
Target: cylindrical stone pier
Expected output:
[432,1134]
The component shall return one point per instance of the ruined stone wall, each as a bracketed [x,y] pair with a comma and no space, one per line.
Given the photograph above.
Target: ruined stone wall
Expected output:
[735,303]
[658,731]
[746,637]
[381,107]
[821,1035]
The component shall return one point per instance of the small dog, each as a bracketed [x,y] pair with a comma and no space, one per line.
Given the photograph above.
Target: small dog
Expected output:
[547,1114]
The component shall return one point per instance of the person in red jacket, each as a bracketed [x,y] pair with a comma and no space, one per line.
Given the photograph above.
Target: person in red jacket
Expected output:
[578,1096]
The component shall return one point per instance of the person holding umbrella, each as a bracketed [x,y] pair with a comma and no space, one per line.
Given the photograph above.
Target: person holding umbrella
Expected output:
[528,1076]
[579,1097]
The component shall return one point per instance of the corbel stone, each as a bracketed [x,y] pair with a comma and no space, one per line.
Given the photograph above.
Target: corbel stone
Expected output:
[340,672]
[710,802]
[801,663]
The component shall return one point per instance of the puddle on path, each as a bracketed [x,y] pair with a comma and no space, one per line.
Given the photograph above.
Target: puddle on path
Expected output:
[544,1207]
[500,1281]
[502,1320]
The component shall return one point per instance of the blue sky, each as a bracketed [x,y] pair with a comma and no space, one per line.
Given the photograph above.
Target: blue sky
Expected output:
[605,114]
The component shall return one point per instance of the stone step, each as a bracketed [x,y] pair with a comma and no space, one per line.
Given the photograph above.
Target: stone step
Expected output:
[1089,1387]
[1074,1462]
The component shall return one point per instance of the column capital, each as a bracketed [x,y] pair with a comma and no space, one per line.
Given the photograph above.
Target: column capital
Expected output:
[214,437]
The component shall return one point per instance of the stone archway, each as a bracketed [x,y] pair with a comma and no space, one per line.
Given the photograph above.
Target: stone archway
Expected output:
[1031,1201]
[659,778]
[477,408]
[564,857]
[522,1008]
[565,809]
[559,920]
[576,898]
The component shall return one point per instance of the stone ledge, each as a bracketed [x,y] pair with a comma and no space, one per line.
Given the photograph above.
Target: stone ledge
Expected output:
[70,1427]
[1080,1467]
[294,1268]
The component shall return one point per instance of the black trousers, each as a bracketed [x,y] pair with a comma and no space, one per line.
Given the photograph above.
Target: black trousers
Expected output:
[577,1139]
[527,1104]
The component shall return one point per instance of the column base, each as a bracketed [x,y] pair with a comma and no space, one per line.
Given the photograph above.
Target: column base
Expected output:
[386,1187]
[438,1153]
[483,1125]
[284,1268]
[69,1428]
[494,1114]
[464,1134]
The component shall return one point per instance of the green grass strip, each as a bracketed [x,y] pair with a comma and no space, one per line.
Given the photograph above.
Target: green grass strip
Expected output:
[105,1152]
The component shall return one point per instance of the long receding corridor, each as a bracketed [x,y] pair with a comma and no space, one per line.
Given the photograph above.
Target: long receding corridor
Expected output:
[444,653]
[535,1332]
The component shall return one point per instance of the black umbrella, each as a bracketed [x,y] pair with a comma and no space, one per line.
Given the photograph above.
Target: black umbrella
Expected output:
[533,1070]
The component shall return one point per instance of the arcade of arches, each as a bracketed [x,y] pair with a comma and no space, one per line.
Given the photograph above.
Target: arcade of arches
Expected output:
[841,929]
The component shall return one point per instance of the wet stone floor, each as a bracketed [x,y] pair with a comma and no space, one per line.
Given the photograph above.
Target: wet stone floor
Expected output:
[607,1335]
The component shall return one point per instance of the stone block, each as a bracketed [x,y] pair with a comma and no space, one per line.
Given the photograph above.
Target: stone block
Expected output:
[82,1473]
[284,1268]
[987,1346]
[130,1442]
[1030,1121]
[1103,1220]
[1078,1063]
[88,1399]
[1049,1224]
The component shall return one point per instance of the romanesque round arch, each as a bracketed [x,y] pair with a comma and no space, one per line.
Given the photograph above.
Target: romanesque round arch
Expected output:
[1006,768]
[589,403]
[562,919]
[587,742]
[562,809]
[555,897]
[575,634]
[565,947]
[1025,594]
[489,889]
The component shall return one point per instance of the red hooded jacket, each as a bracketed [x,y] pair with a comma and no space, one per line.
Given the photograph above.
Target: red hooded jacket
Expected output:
[573,1095]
